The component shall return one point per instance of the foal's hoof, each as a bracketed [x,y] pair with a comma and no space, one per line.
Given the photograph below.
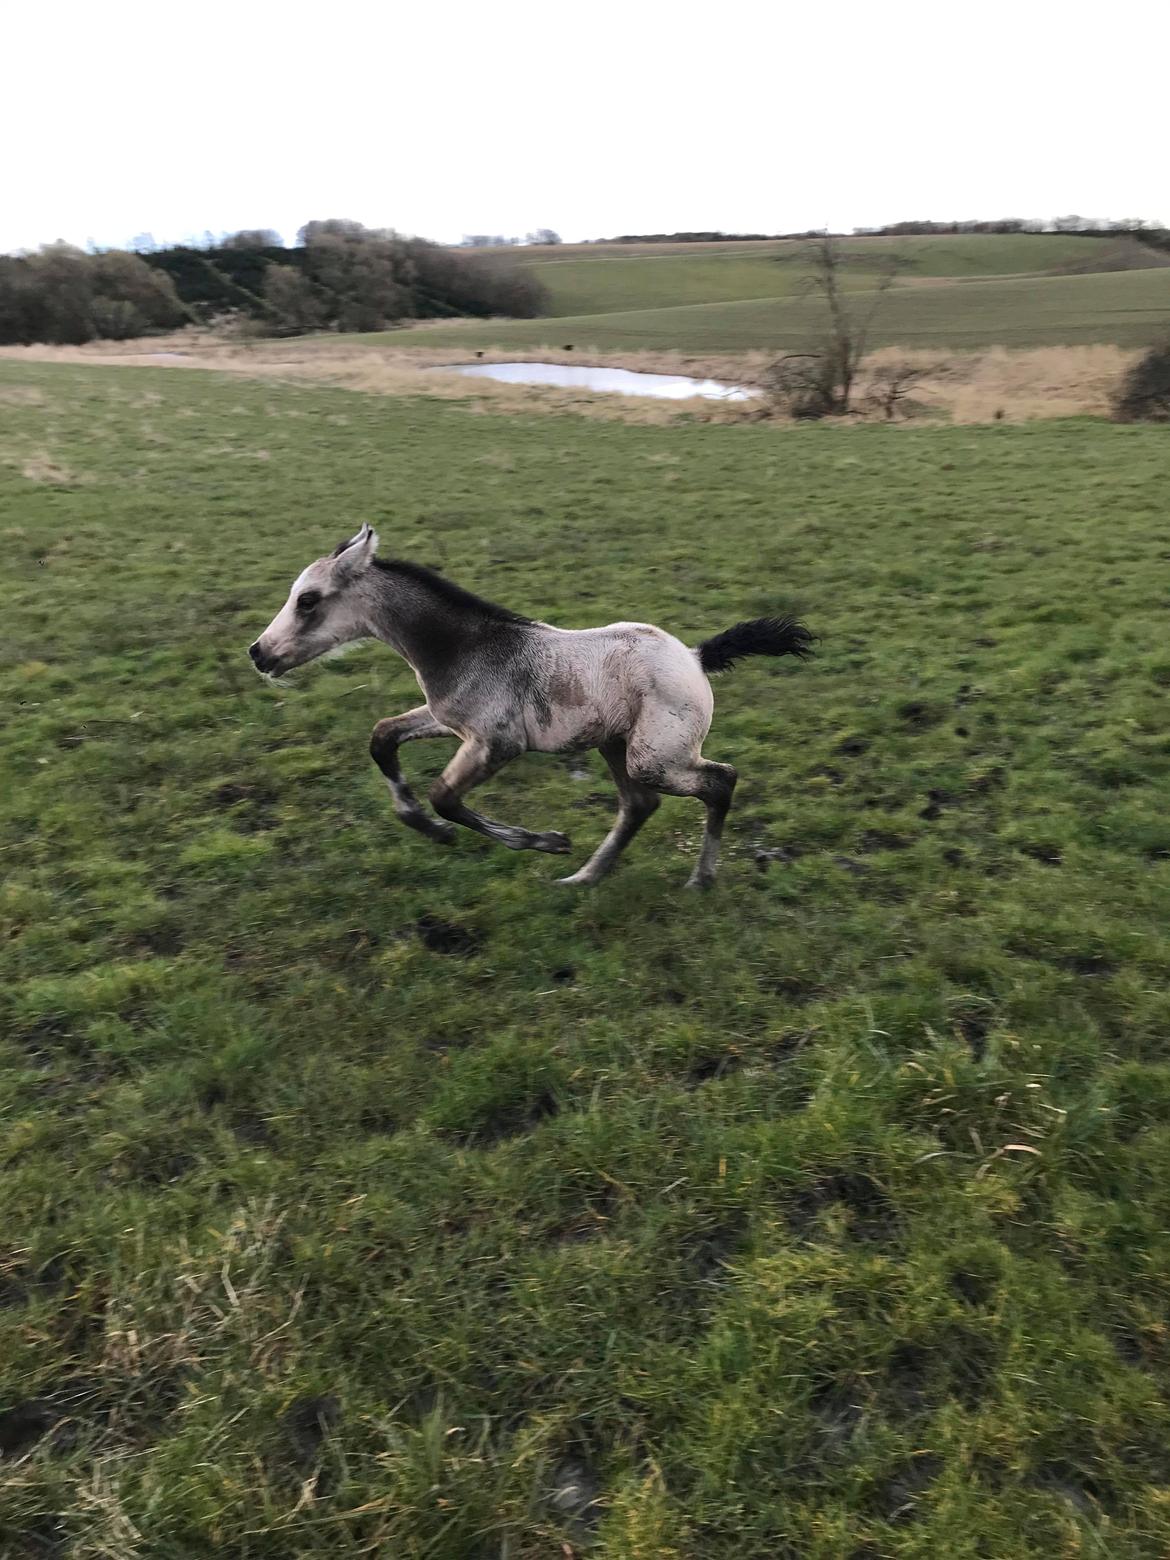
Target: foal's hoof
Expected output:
[441,833]
[431,828]
[704,882]
[555,844]
[575,880]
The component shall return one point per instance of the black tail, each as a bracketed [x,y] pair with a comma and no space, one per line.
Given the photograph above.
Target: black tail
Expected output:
[762,636]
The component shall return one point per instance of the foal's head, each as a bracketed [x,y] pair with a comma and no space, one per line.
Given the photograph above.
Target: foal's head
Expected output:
[325,608]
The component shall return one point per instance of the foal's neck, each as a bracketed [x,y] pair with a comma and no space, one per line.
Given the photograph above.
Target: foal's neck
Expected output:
[430,621]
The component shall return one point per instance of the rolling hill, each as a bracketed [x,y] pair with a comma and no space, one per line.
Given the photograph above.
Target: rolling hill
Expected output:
[1128,307]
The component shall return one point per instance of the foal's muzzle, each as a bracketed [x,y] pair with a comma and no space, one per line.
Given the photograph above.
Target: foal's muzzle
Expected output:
[262,662]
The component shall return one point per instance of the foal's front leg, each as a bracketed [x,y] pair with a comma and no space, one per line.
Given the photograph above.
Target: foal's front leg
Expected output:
[474,763]
[388,737]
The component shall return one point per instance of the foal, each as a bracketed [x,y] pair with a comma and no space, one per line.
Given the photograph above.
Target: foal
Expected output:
[505,684]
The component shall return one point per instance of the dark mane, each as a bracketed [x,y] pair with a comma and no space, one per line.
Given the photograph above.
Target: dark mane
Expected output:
[466,600]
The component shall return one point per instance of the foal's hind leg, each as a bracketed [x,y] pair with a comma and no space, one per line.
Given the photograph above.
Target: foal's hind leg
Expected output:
[717,783]
[474,763]
[636,803]
[388,737]
[713,784]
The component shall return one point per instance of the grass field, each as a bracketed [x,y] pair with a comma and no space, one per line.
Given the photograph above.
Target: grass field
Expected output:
[608,278]
[366,1198]
[1126,307]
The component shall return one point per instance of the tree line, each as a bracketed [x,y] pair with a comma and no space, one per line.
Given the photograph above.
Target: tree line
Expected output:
[1090,227]
[501,241]
[1087,227]
[340,275]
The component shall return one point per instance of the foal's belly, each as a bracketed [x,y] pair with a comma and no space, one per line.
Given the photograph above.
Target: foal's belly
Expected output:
[582,701]
[570,729]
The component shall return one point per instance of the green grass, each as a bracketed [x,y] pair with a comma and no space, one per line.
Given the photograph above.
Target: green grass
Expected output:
[1127,307]
[605,279]
[362,1197]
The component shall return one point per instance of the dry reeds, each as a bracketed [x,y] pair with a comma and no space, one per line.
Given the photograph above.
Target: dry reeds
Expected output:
[994,384]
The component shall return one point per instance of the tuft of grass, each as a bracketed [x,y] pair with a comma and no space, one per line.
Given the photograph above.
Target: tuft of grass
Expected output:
[366,1198]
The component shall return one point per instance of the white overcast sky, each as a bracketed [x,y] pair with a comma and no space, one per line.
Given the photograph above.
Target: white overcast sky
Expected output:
[591,118]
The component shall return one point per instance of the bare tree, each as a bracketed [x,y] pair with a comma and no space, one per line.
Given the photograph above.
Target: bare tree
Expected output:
[820,383]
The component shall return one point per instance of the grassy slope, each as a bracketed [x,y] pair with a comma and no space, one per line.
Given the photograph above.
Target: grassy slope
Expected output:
[604,279]
[1127,307]
[826,1216]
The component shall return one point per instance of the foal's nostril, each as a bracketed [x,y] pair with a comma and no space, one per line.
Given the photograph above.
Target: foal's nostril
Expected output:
[255,652]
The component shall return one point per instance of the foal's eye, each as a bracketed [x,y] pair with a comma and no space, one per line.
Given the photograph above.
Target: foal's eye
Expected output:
[307,600]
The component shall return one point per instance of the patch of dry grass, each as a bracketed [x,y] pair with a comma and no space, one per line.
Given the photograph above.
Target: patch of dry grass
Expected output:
[41,467]
[20,395]
[995,384]
[1011,384]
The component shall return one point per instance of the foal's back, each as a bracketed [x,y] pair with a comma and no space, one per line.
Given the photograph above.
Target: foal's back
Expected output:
[595,685]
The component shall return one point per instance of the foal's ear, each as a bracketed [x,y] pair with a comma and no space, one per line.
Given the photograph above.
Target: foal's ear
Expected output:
[355,555]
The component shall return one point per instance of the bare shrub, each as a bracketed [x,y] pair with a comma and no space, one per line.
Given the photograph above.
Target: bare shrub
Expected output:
[60,295]
[115,319]
[804,384]
[291,300]
[21,302]
[890,385]
[451,281]
[65,296]
[126,279]
[1144,392]
[368,275]
[820,383]
[372,279]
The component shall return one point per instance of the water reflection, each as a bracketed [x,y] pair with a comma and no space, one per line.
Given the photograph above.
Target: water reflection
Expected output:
[623,381]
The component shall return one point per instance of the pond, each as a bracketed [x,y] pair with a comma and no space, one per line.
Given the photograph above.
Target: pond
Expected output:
[622,381]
